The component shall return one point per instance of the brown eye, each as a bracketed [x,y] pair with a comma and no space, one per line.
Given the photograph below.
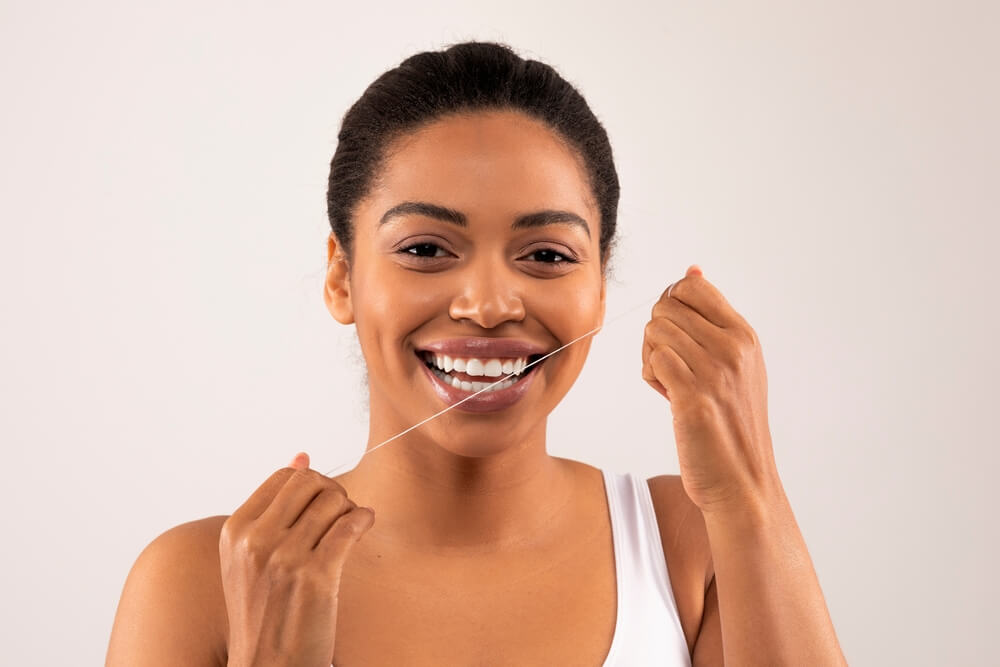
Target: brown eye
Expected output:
[427,250]
[550,256]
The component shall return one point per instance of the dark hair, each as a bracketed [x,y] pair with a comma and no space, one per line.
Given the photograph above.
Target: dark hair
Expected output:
[465,77]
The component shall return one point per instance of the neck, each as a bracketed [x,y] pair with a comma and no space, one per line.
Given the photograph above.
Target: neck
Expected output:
[430,499]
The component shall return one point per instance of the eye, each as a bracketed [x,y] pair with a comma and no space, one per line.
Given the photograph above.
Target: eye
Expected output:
[550,256]
[423,250]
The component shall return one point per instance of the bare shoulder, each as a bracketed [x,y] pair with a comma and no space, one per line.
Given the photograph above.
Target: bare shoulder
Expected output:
[682,526]
[685,548]
[172,609]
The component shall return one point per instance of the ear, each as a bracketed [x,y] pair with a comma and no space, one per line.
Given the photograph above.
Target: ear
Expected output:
[337,287]
[604,294]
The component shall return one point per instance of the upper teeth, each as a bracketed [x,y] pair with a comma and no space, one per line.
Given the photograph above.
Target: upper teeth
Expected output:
[473,366]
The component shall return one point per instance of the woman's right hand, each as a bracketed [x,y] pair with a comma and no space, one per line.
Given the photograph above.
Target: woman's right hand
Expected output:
[282,553]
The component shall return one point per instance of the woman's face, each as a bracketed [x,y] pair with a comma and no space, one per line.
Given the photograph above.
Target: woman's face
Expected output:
[480,242]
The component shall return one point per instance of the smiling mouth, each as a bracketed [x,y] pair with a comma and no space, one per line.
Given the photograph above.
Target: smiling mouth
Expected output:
[477,374]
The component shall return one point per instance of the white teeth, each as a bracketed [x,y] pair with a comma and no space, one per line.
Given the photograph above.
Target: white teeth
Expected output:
[473,386]
[492,368]
[477,367]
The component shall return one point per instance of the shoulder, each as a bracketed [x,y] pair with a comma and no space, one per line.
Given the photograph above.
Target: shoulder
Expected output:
[685,548]
[682,526]
[172,609]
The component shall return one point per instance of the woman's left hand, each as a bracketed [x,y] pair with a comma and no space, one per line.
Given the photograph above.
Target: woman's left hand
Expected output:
[704,358]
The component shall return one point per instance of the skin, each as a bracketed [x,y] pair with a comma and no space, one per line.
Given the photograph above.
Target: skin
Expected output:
[484,549]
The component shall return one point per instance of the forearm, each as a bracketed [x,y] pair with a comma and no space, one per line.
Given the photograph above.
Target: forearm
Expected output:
[771,606]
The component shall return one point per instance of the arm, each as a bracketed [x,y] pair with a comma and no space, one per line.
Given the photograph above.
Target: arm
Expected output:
[765,605]
[169,610]
[706,359]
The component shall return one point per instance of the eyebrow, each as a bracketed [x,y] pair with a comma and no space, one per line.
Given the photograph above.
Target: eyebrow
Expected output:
[536,219]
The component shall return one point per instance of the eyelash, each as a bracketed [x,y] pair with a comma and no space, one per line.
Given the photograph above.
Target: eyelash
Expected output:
[566,259]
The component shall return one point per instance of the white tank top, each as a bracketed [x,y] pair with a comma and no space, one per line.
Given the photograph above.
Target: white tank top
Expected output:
[648,628]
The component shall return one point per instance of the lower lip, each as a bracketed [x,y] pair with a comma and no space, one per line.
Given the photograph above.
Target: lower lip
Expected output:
[487,401]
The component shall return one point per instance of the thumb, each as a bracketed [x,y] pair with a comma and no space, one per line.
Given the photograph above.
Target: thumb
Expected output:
[300,461]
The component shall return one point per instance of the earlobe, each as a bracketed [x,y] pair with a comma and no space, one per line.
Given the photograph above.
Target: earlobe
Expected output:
[337,286]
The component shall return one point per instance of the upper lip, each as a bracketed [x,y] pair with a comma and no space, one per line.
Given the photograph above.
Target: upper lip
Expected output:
[484,348]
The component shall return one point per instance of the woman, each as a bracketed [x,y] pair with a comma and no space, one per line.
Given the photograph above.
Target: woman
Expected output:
[472,199]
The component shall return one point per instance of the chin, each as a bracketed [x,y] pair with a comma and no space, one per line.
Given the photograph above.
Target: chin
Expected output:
[475,447]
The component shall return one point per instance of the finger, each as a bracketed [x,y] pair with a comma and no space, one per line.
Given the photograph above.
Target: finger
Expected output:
[336,543]
[300,460]
[696,292]
[687,318]
[650,378]
[662,331]
[262,496]
[665,369]
[293,498]
[647,370]
[318,516]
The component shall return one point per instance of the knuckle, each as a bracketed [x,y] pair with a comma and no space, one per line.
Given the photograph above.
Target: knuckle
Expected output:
[334,501]
[252,548]
[351,525]
[303,476]
[362,520]
[281,476]
[730,358]
[308,479]
[329,505]
[228,532]
[660,356]
[334,485]
[282,563]
[317,480]
[251,543]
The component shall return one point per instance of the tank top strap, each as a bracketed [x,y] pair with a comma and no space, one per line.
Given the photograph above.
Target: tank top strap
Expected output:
[648,628]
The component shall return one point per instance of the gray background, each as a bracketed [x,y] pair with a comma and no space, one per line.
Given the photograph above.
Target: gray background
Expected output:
[833,167]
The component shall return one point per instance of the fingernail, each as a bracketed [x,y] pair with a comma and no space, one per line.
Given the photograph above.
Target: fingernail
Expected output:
[694,269]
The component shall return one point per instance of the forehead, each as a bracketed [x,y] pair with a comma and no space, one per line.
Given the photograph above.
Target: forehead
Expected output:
[494,163]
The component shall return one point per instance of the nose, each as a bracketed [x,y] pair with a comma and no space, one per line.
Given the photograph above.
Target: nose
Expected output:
[487,298]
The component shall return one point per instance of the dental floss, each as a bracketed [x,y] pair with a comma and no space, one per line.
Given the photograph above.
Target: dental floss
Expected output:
[594,330]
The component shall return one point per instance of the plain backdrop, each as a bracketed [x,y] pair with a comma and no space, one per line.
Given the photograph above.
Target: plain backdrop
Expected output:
[833,167]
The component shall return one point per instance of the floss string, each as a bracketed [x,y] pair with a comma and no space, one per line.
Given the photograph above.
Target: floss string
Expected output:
[487,387]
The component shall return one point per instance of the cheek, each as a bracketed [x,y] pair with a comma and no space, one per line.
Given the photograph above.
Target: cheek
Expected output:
[388,305]
[569,311]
